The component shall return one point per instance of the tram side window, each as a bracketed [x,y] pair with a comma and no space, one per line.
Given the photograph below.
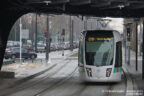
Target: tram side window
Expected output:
[80,53]
[118,62]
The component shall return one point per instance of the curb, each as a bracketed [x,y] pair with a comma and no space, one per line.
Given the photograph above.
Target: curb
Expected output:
[8,62]
[68,55]
[130,85]
[7,75]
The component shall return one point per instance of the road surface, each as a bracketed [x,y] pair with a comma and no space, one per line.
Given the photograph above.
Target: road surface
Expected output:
[63,80]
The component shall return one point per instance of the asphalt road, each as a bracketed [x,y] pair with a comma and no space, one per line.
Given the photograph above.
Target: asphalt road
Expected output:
[63,80]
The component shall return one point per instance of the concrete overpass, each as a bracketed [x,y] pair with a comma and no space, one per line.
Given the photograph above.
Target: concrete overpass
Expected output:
[11,10]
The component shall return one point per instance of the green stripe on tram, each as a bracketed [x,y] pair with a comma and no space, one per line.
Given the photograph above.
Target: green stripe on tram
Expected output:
[114,71]
[117,69]
[120,69]
[83,70]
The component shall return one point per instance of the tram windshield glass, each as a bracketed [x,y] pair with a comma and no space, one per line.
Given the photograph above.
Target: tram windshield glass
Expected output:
[99,48]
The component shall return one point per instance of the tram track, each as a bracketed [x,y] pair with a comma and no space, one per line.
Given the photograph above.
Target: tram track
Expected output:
[61,83]
[17,88]
[114,91]
[56,84]
[79,91]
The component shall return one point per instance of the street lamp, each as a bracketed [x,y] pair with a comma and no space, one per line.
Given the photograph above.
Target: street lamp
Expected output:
[127,42]
[63,37]
[47,40]
[71,32]
[20,39]
[36,33]
[136,20]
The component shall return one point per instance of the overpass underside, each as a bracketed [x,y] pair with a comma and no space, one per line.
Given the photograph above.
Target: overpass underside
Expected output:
[102,8]
[11,10]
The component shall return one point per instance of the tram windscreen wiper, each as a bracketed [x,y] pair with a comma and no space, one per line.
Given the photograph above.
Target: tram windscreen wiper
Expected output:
[98,65]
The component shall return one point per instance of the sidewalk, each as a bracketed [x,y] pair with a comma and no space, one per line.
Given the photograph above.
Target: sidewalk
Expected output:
[135,75]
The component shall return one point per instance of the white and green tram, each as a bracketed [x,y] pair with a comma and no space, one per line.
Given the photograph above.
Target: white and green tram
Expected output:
[100,56]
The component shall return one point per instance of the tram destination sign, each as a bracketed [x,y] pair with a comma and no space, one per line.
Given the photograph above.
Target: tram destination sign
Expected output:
[91,39]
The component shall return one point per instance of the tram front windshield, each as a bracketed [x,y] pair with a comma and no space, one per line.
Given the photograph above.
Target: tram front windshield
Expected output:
[99,49]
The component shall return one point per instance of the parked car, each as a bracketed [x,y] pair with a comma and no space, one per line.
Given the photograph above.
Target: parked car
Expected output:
[10,43]
[41,47]
[67,45]
[28,47]
[57,46]
[14,52]
[75,44]
[52,46]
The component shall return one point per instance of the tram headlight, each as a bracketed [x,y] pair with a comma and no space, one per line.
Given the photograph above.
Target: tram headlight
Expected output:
[108,72]
[89,72]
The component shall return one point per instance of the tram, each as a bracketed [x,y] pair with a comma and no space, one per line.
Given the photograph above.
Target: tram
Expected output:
[100,56]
